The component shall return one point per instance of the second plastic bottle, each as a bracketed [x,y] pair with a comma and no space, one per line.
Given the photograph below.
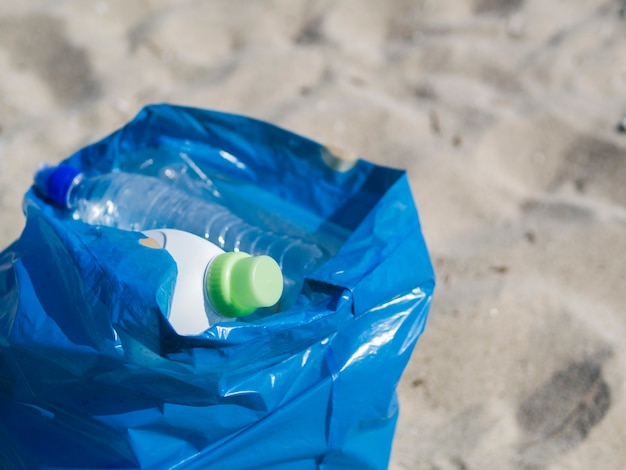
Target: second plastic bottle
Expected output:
[213,286]
[138,202]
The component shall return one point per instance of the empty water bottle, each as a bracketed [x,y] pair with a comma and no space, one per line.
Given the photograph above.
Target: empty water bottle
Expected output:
[214,286]
[139,202]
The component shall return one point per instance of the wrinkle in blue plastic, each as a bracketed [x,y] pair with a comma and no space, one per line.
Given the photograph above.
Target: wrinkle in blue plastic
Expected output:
[93,376]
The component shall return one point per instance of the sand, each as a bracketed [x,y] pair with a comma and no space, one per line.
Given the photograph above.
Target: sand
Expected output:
[504,114]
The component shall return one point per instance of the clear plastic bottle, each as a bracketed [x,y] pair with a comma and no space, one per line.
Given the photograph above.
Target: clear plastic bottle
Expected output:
[212,285]
[133,201]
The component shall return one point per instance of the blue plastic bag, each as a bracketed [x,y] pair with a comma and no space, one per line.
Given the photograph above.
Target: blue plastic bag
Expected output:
[93,376]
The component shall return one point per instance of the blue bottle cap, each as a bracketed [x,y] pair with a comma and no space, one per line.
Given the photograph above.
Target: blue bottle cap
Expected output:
[55,182]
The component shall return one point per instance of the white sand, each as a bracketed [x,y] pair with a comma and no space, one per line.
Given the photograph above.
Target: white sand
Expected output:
[502,111]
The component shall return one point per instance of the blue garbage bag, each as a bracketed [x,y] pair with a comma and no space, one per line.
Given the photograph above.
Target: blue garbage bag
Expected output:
[92,375]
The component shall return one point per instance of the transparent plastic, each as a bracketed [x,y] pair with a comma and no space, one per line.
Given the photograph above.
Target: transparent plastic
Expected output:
[139,202]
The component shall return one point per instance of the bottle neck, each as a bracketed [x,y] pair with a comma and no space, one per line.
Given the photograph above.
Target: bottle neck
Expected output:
[71,198]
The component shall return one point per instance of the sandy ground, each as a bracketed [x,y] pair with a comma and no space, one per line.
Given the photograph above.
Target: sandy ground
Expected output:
[504,113]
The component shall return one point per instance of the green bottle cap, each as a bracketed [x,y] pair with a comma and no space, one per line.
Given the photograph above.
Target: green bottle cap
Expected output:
[237,283]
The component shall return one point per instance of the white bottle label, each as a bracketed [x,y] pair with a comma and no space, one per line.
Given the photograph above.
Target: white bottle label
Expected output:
[190,310]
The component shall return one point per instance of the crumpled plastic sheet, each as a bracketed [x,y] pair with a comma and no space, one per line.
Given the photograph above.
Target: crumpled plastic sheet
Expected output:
[92,375]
